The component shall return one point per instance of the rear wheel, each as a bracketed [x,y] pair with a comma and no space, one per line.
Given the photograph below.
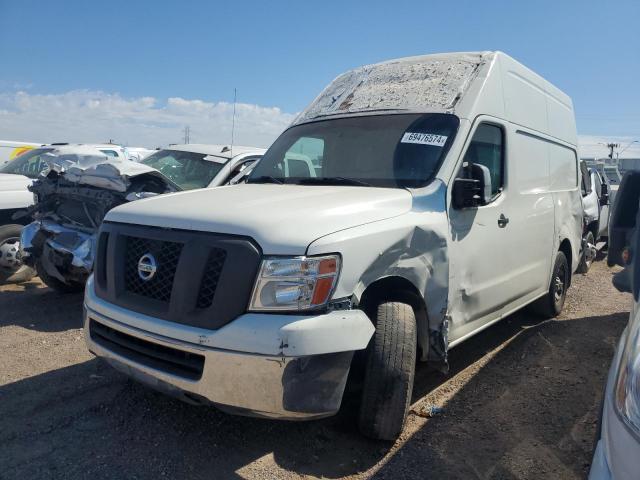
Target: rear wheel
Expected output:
[389,372]
[12,270]
[551,304]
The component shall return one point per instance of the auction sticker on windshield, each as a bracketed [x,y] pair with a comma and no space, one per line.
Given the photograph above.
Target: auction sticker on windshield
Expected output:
[424,139]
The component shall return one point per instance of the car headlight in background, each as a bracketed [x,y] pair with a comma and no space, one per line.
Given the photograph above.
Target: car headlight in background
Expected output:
[295,283]
[627,391]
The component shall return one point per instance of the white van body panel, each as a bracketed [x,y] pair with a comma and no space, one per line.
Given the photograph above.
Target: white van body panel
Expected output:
[470,267]
[484,280]
[275,216]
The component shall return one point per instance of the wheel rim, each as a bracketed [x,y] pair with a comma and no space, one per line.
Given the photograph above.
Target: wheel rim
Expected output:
[559,284]
[10,254]
[591,248]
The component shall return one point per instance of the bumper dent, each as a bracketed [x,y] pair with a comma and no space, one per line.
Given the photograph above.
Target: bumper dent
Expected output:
[274,386]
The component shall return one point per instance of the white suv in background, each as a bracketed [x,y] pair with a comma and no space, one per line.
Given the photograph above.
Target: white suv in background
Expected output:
[196,165]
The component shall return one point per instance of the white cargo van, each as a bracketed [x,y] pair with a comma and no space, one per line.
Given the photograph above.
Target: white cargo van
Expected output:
[444,197]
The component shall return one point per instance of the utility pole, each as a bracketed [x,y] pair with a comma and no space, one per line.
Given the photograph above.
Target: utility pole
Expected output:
[186,134]
[612,147]
[233,118]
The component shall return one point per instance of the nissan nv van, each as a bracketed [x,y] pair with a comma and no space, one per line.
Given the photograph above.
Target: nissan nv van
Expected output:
[444,197]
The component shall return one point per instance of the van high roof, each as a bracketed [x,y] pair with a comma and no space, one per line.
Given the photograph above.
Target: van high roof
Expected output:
[464,84]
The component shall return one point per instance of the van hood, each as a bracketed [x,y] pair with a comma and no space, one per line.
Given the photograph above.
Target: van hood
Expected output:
[283,219]
[10,182]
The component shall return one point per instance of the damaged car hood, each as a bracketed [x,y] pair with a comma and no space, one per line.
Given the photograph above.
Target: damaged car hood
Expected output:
[283,219]
[111,175]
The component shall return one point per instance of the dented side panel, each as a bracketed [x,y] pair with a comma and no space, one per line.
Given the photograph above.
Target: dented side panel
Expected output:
[413,247]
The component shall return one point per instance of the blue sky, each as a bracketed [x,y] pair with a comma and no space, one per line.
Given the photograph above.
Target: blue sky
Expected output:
[280,54]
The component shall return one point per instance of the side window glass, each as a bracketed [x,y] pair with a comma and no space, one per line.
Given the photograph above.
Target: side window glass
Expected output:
[239,168]
[110,153]
[305,158]
[486,148]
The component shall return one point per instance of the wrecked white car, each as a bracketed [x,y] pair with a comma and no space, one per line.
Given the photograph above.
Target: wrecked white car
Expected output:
[72,197]
[15,177]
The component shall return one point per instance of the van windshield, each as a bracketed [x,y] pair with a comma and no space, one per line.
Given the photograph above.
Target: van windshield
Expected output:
[391,150]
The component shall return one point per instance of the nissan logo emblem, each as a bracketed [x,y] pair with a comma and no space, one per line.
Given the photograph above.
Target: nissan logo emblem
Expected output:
[147,267]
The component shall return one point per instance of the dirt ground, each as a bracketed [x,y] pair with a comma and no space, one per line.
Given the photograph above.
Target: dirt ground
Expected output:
[521,401]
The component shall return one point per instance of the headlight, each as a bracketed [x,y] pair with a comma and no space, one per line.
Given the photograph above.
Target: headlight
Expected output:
[627,392]
[296,283]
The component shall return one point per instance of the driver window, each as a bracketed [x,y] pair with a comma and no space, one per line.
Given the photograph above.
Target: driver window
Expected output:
[486,148]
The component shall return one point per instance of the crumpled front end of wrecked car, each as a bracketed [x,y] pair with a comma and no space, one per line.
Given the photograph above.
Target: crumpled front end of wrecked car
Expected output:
[71,204]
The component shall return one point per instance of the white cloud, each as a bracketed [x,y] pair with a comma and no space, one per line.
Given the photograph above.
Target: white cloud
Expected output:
[592,146]
[94,116]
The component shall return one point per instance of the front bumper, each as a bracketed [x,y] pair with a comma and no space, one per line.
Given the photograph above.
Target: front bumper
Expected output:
[296,369]
[66,253]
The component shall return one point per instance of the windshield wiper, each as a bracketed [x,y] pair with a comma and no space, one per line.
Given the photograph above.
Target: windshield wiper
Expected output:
[265,179]
[332,181]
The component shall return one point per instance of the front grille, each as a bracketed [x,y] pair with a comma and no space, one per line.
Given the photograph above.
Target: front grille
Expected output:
[202,279]
[210,278]
[166,253]
[170,360]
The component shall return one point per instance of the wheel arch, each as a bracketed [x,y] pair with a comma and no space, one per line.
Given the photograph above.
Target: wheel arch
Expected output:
[399,289]
[565,247]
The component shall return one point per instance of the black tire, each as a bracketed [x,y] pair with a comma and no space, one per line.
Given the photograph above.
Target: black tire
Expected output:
[585,261]
[551,304]
[389,372]
[56,284]
[12,270]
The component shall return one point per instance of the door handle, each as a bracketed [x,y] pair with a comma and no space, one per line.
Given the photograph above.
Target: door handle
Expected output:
[502,221]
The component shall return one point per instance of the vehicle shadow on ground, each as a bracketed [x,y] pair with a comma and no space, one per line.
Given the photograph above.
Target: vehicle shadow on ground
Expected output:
[34,306]
[88,421]
[531,412]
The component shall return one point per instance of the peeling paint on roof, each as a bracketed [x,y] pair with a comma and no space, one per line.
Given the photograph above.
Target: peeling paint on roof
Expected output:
[429,82]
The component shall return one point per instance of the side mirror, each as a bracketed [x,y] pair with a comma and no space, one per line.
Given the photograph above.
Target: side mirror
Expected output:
[474,189]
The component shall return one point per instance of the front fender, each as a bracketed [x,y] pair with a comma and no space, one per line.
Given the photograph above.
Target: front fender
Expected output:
[412,246]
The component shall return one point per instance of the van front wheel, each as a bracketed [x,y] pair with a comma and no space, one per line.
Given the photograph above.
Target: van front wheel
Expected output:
[389,372]
[551,304]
